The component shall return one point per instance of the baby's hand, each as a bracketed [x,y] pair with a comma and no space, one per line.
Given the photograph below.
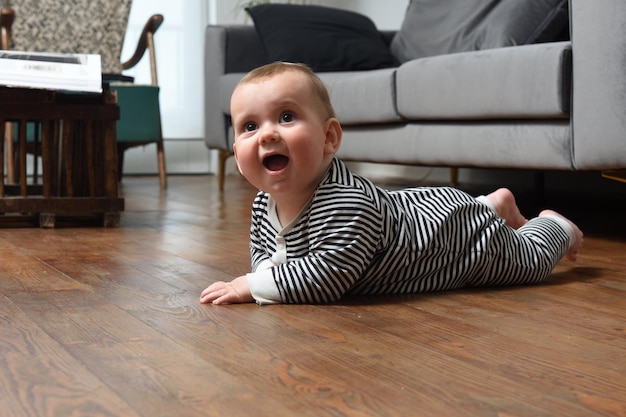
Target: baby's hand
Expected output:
[236,291]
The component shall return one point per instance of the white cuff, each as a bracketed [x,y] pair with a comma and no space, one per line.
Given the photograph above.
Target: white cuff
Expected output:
[484,200]
[263,288]
[565,226]
[265,264]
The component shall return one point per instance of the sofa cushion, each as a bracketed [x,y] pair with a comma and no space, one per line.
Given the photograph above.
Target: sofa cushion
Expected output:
[324,38]
[531,81]
[361,97]
[435,27]
[530,144]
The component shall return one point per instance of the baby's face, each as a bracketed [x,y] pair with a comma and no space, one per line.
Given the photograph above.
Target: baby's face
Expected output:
[280,134]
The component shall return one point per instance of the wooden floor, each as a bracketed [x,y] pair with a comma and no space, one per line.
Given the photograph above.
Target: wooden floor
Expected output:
[106,322]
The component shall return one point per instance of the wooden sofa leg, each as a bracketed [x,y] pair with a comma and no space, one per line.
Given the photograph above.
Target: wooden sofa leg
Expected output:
[221,167]
[454,177]
[615,174]
[161,162]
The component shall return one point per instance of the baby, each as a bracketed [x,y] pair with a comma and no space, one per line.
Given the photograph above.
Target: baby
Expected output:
[320,232]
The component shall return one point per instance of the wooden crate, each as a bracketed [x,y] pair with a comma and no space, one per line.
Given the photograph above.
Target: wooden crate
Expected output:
[78,150]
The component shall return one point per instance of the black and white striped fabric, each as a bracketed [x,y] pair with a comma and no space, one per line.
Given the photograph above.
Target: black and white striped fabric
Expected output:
[356,238]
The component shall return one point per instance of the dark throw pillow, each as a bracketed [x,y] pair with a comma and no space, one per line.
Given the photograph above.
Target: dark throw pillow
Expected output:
[435,27]
[324,38]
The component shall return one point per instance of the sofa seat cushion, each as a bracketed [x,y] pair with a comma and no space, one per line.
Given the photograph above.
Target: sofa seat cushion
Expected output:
[522,82]
[359,97]
[526,144]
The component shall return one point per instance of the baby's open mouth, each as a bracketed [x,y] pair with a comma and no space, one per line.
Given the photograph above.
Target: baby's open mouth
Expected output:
[275,162]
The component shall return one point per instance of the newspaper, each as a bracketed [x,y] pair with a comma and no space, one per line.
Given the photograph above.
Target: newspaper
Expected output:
[52,71]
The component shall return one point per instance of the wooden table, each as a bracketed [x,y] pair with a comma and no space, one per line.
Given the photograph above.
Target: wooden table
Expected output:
[78,150]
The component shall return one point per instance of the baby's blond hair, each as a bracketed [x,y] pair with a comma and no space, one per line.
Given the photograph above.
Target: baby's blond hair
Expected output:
[275,68]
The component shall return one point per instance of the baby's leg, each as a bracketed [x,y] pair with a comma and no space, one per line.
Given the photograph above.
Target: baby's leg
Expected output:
[576,235]
[503,203]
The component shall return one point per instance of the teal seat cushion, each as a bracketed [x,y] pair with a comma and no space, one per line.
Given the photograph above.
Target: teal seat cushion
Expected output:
[140,114]
[30,132]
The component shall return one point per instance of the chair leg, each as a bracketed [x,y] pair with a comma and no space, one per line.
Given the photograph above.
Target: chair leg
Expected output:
[161,162]
[221,167]
[121,148]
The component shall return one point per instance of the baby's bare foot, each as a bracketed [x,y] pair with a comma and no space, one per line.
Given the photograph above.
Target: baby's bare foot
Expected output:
[578,234]
[504,203]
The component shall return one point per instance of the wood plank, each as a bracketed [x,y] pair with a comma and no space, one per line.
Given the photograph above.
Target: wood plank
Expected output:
[122,305]
[63,205]
[515,354]
[144,299]
[39,378]
[144,367]
[21,272]
[147,299]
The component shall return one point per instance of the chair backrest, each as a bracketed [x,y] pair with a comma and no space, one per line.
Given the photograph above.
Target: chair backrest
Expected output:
[72,26]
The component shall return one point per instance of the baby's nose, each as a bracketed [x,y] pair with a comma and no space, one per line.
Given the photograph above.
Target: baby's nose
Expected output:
[268,134]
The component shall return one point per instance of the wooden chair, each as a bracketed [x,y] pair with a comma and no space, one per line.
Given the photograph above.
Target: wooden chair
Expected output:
[97,27]
[140,112]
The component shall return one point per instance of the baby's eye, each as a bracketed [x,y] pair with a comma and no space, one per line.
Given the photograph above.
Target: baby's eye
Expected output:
[287,117]
[249,127]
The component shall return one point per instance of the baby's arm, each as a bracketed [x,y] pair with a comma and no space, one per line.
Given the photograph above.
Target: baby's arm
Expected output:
[235,291]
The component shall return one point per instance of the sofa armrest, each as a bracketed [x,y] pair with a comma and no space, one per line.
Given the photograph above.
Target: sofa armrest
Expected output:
[599,84]
[228,49]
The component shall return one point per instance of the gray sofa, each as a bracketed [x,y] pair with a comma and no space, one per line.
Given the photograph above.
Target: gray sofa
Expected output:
[548,106]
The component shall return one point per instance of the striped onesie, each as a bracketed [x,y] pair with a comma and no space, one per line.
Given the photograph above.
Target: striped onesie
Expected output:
[356,238]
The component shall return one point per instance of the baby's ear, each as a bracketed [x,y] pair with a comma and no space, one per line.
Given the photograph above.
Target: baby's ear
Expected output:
[235,155]
[333,136]
[235,150]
